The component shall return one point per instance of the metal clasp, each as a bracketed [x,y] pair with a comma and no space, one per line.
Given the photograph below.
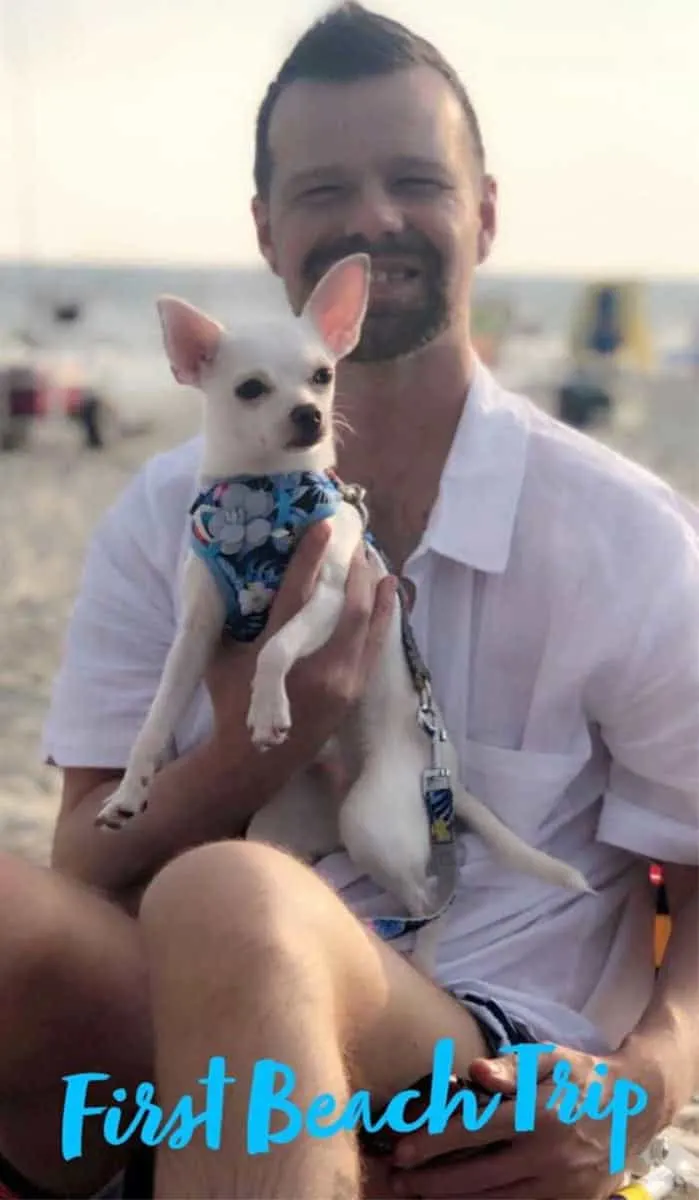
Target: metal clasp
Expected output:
[432,725]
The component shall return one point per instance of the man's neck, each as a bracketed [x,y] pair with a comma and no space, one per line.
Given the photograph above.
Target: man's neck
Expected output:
[403,416]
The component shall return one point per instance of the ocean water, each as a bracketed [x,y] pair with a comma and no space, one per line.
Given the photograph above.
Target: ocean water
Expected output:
[118,338]
[118,300]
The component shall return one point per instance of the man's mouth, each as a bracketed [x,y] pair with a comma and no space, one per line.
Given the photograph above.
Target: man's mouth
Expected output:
[393,274]
[394,279]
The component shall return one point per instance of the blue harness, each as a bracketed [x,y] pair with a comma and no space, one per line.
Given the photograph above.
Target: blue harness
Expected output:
[246,530]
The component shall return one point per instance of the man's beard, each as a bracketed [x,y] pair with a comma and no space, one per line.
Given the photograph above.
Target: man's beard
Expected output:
[390,330]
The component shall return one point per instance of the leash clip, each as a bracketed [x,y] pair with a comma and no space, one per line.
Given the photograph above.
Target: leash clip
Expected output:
[429,720]
[426,713]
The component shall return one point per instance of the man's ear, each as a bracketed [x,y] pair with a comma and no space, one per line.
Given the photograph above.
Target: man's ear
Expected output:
[260,215]
[489,217]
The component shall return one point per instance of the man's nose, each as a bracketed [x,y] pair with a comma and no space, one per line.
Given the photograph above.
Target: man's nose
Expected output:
[374,214]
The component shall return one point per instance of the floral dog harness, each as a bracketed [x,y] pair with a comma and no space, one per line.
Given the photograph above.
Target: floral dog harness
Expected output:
[247,528]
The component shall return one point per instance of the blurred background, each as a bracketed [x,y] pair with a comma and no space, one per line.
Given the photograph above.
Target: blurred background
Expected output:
[126,167]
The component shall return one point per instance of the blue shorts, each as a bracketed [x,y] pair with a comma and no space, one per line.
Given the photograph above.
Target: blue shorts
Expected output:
[497,1027]
[498,1030]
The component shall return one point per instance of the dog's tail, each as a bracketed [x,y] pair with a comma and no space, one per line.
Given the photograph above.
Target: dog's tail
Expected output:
[511,849]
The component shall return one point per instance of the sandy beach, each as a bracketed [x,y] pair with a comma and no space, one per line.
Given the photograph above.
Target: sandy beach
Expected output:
[64,491]
[52,494]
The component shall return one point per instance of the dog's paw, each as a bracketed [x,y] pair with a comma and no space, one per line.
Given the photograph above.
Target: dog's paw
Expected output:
[130,799]
[269,716]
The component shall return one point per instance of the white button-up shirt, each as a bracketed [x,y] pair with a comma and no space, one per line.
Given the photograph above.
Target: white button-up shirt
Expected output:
[557,606]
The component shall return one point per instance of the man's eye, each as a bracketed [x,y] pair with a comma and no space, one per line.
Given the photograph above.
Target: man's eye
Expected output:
[252,389]
[325,191]
[419,183]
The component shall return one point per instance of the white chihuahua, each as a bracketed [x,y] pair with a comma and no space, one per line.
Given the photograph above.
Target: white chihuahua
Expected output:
[268,445]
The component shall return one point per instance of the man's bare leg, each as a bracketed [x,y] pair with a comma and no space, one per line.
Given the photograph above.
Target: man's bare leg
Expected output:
[72,998]
[268,963]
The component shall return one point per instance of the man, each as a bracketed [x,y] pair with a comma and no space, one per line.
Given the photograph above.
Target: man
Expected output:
[555,599]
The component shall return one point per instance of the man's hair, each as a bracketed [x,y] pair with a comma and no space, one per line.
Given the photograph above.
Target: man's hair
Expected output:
[349,43]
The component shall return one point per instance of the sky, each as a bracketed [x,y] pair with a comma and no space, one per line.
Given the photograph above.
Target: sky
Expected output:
[126,126]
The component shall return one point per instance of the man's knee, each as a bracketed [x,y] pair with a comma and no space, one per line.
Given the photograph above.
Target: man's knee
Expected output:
[70,965]
[35,938]
[248,893]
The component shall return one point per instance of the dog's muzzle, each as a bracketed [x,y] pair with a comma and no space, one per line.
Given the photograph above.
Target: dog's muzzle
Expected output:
[307,424]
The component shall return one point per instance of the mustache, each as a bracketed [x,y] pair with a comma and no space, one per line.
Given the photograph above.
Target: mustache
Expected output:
[321,258]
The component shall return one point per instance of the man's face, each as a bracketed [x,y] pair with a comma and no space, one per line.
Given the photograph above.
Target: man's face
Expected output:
[383,165]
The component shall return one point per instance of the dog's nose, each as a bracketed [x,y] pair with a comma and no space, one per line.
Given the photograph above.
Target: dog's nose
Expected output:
[307,420]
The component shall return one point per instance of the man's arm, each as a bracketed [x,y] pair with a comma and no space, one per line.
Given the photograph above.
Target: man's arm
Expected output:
[649,717]
[662,1052]
[206,795]
[197,798]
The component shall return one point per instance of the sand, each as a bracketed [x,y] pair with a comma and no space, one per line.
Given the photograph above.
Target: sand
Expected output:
[50,498]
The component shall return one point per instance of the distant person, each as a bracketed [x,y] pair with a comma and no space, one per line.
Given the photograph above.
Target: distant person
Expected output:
[606,335]
[586,396]
[582,400]
[556,602]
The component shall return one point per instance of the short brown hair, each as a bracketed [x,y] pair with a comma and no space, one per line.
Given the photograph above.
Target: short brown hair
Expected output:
[350,42]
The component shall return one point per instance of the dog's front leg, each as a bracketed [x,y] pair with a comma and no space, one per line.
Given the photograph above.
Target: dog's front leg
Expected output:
[195,640]
[269,715]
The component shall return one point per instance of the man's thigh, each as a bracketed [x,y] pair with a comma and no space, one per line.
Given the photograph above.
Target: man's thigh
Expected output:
[223,904]
[73,999]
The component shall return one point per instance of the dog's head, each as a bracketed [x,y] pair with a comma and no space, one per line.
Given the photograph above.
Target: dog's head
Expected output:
[270,387]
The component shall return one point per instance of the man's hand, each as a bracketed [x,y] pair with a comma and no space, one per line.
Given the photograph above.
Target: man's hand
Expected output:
[326,685]
[556,1159]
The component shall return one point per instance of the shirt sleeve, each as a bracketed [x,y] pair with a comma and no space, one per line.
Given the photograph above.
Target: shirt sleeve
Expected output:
[648,710]
[118,637]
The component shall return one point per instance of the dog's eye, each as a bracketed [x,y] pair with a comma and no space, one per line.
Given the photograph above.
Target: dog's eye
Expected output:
[252,389]
[322,377]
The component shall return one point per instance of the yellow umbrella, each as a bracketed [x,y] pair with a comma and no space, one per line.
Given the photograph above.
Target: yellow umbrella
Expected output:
[611,323]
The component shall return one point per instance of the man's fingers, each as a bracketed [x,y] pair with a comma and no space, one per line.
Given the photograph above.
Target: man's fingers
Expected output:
[500,1074]
[422,1146]
[300,576]
[523,1189]
[494,1075]
[453,1180]
[360,587]
[498,1174]
[385,600]
[377,565]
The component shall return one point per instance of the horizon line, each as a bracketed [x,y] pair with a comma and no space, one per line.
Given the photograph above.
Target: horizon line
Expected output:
[144,264]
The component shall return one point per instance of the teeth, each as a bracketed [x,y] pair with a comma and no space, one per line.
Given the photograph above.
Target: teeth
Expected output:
[395,275]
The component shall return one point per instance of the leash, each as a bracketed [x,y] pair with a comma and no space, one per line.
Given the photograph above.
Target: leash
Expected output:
[436,784]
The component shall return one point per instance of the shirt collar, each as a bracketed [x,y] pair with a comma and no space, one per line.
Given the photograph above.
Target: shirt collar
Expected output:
[474,515]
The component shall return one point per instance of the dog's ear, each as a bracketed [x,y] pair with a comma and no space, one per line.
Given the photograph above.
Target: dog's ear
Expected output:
[337,304]
[191,338]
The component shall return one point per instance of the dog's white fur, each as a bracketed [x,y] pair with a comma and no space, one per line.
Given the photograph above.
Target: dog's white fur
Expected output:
[382,821]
